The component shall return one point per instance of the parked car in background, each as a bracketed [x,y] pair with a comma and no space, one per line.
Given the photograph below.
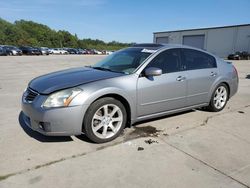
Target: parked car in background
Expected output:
[239,56]
[134,84]
[39,49]
[58,51]
[27,50]
[89,51]
[3,51]
[55,51]
[12,50]
[50,50]
[44,50]
[71,50]
[109,52]
[63,51]
[245,55]
[97,52]
[81,51]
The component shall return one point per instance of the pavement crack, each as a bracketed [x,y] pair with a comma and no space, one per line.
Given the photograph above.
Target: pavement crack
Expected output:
[235,135]
[240,170]
[3,177]
[206,164]
[216,115]
[205,122]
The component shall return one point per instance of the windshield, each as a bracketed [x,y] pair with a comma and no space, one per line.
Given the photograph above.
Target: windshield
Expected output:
[125,61]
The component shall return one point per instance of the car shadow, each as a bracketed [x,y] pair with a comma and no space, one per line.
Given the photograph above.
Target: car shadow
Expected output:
[84,138]
[39,137]
[248,76]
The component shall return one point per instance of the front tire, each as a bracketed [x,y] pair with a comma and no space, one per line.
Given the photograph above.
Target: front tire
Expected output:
[219,98]
[104,120]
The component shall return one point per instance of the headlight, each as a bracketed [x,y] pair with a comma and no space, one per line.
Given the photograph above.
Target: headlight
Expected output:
[61,98]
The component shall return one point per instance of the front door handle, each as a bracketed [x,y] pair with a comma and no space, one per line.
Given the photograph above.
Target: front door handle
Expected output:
[181,78]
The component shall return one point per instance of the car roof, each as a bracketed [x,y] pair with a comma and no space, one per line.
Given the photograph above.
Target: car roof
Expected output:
[157,47]
[150,46]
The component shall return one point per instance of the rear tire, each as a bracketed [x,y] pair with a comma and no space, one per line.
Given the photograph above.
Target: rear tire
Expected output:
[219,98]
[104,120]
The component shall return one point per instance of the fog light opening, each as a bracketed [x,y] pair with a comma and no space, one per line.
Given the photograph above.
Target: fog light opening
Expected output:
[45,126]
[41,126]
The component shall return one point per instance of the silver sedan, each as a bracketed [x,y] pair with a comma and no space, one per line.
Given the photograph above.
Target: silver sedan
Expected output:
[134,84]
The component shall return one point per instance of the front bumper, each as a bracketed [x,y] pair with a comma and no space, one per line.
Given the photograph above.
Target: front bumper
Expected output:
[64,121]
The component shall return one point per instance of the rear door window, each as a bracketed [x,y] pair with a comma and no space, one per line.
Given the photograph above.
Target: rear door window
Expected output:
[194,59]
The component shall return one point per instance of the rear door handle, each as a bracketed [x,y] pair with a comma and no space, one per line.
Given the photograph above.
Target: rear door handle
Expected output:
[213,74]
[181,78]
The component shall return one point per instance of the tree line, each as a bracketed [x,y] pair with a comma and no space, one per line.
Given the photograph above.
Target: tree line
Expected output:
[29,33]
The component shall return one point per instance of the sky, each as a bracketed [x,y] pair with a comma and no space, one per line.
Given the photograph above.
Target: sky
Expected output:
[126,20]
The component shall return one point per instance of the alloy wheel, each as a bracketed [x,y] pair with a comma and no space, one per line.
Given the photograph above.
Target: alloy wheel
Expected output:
[220,97]
[107,121]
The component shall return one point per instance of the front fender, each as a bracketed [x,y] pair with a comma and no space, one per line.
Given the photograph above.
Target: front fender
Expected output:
[87,97]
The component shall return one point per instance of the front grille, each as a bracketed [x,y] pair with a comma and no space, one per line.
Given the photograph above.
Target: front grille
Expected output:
[30,95]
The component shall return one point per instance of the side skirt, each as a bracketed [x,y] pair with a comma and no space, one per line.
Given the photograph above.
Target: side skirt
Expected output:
[160,114]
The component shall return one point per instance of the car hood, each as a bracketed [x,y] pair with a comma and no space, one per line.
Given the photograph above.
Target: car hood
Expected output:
[52,82]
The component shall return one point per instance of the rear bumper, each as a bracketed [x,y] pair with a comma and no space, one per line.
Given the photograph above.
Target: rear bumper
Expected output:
[65,121]
[234,86]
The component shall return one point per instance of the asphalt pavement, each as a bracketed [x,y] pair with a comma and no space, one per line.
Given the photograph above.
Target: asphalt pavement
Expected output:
[191,149]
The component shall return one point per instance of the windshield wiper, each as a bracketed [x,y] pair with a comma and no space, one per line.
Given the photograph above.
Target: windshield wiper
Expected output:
[105,69]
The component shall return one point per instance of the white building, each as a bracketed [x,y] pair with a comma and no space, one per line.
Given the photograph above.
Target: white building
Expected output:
[221,41]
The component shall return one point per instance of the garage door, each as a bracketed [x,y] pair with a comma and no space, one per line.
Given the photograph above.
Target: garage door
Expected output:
[194,40]
[162,40]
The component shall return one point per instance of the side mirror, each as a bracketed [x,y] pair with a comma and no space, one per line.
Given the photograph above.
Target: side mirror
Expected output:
[153,71]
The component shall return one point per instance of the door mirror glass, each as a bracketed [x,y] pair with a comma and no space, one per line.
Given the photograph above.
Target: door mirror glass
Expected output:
[152,71]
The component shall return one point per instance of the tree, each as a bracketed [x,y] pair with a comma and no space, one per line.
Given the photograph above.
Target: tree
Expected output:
[34,34]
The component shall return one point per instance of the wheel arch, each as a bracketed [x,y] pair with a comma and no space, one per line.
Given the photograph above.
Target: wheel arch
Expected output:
[228,88]
[216,84]
[118,97]
[124,101]
[211,107]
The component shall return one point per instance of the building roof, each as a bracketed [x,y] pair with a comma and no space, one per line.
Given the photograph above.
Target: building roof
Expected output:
[205,28]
